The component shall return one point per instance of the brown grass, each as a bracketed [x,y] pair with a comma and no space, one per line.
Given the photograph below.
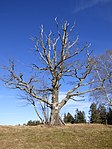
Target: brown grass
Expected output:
[80,136]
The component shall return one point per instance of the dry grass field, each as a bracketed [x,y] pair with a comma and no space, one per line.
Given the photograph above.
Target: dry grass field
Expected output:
[80,136]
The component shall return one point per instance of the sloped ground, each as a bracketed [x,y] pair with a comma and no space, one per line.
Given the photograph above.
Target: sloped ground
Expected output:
[80,136]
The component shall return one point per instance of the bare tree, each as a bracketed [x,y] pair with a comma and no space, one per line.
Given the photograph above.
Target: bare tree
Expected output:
[102,75]
[60,62]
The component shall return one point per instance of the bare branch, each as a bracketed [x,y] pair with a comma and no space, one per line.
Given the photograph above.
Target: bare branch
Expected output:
[57,26]
[85,92]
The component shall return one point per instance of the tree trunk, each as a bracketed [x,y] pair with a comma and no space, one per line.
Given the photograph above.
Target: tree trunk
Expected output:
[55,118]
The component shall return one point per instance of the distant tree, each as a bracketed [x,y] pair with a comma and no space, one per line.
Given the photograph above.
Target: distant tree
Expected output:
[102,75]
[103,114]
[68,118]
[80,117]
[94,114]
[109,116]
[65,118]
[32,123]
[58,58]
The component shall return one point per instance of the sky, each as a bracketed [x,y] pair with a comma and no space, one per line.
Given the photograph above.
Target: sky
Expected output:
[20,20]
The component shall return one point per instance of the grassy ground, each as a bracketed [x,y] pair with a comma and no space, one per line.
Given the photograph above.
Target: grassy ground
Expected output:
[80,136]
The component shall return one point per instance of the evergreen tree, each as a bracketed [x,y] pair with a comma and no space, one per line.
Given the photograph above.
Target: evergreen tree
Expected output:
[103,114]
[32,123]
[68,118]
[94,114]
[80,117]
[65,118]
[100,115]
[109,117]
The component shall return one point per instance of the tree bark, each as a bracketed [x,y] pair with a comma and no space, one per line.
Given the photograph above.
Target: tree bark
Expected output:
[55,118]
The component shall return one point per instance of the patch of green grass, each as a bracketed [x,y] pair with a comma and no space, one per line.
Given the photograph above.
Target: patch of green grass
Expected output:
[80,136]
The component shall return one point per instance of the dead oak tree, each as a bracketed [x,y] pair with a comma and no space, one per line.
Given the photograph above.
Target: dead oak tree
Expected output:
[60,62]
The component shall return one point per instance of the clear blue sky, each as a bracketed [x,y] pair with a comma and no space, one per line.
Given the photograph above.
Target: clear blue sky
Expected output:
[21,19]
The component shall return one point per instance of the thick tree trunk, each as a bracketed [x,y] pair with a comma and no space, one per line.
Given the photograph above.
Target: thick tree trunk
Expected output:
[55,118]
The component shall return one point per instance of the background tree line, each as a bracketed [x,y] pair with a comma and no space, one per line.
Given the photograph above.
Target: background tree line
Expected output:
[100,114]
[79,117]
[97,114]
